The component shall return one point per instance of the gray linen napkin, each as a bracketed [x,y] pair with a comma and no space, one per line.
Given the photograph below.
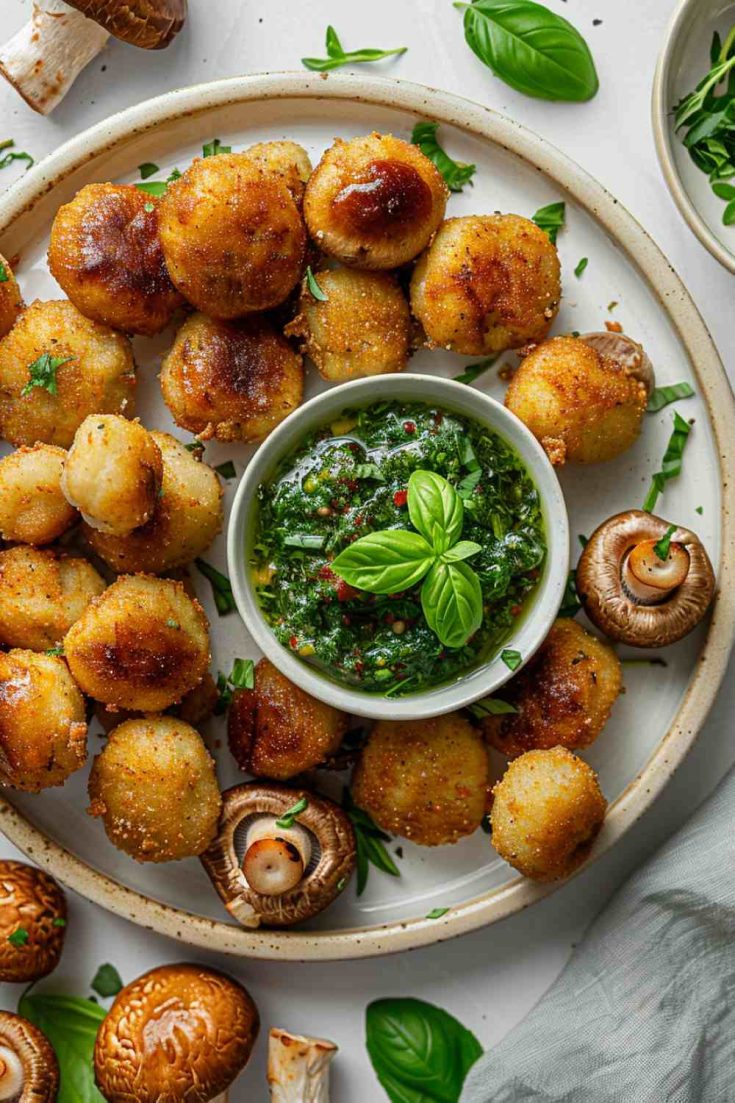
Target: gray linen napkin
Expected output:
[644,1011]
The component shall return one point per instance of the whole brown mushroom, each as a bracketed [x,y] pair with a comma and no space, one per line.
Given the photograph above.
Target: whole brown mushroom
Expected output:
[643,581]
[178,1033]
[32,924]
[282,855]
[29,1071]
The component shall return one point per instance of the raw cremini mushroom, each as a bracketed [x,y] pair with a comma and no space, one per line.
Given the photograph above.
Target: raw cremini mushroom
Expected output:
[29,1072]
[298,1067]
[32,924]
[281,856]
[45,57]
[643,581]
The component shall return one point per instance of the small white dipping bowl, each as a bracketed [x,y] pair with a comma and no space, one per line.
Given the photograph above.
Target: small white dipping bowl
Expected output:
[543,604]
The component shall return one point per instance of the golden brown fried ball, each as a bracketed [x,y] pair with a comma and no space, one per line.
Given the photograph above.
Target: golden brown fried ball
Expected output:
[155,787]
[43,733]
[286,159]
[11,302]
[232,236]
[581,406]
[487,283]
[277,730]
[364,327]
[546,813]
[425,779]
[187,518]
[33,509]
[374,202]
[113,473]
[41,595]
[97,375]
[195,708]
[106,255]
[231,380]
[563,695]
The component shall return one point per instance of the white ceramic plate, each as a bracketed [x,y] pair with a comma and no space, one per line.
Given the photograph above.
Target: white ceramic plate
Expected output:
[653,723]
[682,63]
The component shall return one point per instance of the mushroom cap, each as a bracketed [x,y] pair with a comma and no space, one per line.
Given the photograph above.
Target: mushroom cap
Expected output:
[151,24]
[608,604]
[179,1032]
[36,1057]
[626,353]
[32,901]
[332,862]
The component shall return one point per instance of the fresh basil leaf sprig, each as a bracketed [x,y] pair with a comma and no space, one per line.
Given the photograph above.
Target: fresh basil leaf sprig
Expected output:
[420,1053]
[338,56]
[107,981]
[393,560]
[551,219]
[532,49]
[71,1026]
[456,173]
[370,843]
[662,396]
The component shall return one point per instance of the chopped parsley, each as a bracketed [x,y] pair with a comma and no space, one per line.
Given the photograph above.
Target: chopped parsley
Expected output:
[213,148]
[42,373]
[288,819]
[551,219]
[511,658]
[580,267]
[107,981]
[19,937]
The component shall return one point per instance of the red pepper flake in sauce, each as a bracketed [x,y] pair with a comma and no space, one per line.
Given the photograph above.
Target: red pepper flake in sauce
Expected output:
[345,592]
[613,327]
[293,642]
[400,498]
[515,610]
[327,573]
[409,427]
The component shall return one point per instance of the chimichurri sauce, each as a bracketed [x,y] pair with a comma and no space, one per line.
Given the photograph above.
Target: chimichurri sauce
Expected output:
[349,479]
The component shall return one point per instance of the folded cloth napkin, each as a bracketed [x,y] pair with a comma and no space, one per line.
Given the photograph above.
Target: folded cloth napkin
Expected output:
[644,1012]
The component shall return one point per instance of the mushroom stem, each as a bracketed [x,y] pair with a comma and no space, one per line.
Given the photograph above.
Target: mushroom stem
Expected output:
[45,57]
[275,857]
[650,579]
[11,1074]
[298,1067]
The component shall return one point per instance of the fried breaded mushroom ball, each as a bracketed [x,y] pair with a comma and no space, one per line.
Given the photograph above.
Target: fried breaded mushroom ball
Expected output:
[195,708]
[363,327]
[41,595]
[231,380]
[425,779]
[11,302]
[187,517]
[142,645]
[277,730]
[547,811]
[33,509]
[232,236]
[487,283]
[106,255]
[286,159]
[56,366]
[584,407]
[43,733]
[113,473]
[374,202]
[155,788]
[562,697]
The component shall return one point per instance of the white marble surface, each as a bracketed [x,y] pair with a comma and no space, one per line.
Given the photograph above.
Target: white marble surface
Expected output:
[492,978]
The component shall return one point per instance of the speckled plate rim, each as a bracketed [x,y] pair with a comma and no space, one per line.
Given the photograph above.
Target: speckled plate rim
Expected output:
[660,110]
[483,123]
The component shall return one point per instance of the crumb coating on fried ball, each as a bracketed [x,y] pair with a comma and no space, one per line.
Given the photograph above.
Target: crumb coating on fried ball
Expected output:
[286,159]
[487,283]
[11,302]
[33,509]
[277,730]
[232,236]
[363,328]
[113,473]
[231,380]
[41,595]
[563,696]
[43,732]
[105,253]
[195,708]
[142,645]
[187,517]
[155,788]
[98,376]
[581,406]
[547,811]
[424,779]
[374,201]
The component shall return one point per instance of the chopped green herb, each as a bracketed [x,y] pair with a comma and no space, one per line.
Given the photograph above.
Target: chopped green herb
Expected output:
[314,287]
[671,463]
[211,149]
[511,658]
[107,981]
[474,371]
[456,173]
[288,819]
[226,469]
[13,154]
[243,674]
[341,884]
[147,169]
[221,588]
[370,842]
[570,604]
[337,56]
[662,396]
[662,546]
[149,208]
[485,826]
[19,937]
[699,509]
[581,265]
[4,274]
[437,913]
[172,624]
[492,706]
[42,373]
[308,540]
[551,219]
[644,662]
[369,471]
[58,922]
[158,187]
[194,446]
[584,540]
[612,305]
[54,652]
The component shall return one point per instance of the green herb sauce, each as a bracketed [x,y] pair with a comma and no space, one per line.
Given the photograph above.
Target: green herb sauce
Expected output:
[349,479]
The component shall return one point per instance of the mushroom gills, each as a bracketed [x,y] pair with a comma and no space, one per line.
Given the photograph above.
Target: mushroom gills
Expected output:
[11,1074]
[298,1067]
[647,578]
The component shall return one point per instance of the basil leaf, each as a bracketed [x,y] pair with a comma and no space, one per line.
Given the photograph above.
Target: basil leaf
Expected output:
[463,549]
[551,219]
[662,396]
[153,187]
[287,820]
[511,658]
[435,509]
[107,981]
[385,562]
[473,371]
[71,1026]
[337,56]
[437,913]
[456,174]
[224,599]
[420,1053]
[451,598]
[147,169]
[492,706]
[4,276]
[532,49]
[671,463]
[314,288]
[215,147]
[370,842]
[570,603]
[226,470]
